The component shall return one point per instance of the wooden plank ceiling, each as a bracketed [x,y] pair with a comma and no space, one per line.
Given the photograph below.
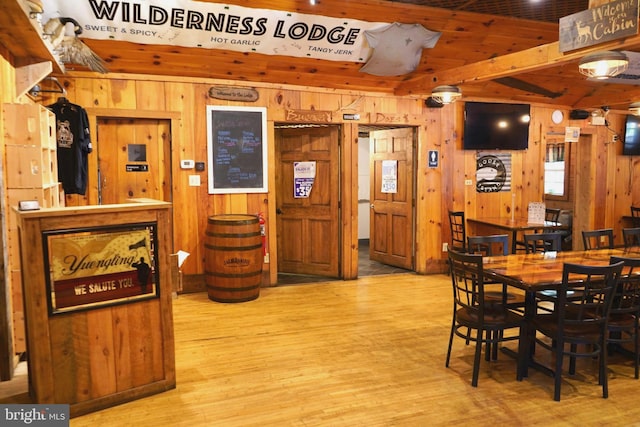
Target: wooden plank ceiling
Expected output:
[481,41]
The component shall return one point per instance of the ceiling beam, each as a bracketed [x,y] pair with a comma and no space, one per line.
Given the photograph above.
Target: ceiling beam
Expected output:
[526,61]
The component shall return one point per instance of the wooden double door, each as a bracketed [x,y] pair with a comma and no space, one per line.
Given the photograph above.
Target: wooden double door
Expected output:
[308,226]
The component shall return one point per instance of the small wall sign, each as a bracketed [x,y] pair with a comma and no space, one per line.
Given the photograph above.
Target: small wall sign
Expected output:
[433,158]
[137,168]
[234,93]
[611,21]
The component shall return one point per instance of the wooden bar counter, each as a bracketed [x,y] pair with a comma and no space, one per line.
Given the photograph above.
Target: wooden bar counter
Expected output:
[99,327]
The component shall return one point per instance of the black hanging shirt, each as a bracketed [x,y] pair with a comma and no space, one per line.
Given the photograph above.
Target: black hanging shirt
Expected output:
[74,144]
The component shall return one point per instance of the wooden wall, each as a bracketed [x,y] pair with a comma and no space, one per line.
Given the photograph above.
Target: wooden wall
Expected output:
[438,189]
[7,94]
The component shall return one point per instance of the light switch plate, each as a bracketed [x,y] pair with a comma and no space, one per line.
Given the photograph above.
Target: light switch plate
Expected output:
[194,180]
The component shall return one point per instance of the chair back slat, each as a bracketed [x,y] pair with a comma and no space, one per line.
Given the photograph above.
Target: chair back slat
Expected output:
[635,215]
[467,278]
[627,294]
[497,244]
[543,242]
[631,237]
[586,294]
[458,230]
[598,239]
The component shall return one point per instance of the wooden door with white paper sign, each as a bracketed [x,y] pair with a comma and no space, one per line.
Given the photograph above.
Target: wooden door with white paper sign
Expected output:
[391,192]
[307,220]
[134,159]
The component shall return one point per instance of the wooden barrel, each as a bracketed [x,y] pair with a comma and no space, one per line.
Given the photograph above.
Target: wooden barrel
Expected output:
[233,258]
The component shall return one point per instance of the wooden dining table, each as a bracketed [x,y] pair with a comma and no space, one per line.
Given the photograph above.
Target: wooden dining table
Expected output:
[512,226]
[535,272]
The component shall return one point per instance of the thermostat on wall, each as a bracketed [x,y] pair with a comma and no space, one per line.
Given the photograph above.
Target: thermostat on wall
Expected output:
[187,164]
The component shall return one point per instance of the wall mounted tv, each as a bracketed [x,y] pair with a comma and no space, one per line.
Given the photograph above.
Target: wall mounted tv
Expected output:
[631,143]
[496,126]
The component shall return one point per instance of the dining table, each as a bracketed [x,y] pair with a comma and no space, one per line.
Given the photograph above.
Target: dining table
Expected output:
[512,226]
[537,272]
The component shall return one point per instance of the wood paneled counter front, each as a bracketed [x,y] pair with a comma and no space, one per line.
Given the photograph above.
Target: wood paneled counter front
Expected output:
[99,326]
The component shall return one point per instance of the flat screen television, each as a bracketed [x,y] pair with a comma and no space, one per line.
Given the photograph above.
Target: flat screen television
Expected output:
[496,126]
[631,142]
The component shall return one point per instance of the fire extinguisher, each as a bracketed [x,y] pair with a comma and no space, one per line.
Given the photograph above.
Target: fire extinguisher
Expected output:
[263,233]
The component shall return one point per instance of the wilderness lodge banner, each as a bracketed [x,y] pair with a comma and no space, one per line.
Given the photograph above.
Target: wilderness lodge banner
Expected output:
[102,266]
[218,26]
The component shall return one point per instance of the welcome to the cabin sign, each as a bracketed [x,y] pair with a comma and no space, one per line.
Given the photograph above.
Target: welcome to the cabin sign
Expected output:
[611,21]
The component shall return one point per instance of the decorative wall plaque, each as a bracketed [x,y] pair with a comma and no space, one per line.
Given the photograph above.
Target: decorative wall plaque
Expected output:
[311,116]
[611,21]
[234,93]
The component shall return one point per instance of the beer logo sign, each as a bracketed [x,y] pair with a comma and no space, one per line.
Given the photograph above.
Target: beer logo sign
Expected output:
[491,174]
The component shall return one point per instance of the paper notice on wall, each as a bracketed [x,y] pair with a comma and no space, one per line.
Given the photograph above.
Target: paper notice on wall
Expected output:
[389,176]
[571,134]
[304,174]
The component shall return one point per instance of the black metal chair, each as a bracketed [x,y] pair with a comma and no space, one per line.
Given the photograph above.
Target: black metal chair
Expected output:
[631,237]
[579,322]
[471,312]
[635,215]
[624,316]
[496,244]
[598,239]
[458,229]
[543,242]
[552,214]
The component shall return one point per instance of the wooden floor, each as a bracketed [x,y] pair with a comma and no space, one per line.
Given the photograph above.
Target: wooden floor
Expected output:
[355,353]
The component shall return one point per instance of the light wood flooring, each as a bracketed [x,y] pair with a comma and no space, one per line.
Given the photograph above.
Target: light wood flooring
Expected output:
[368,352]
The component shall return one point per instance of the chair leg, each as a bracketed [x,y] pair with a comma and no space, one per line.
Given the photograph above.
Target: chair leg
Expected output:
[634,335]
[523,350]
[476,358]
[604,375]
[572,360]
[453,325]
[558,371]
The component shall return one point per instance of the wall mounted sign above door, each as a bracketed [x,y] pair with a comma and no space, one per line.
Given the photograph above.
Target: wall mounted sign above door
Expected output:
[611,21]
[234,93]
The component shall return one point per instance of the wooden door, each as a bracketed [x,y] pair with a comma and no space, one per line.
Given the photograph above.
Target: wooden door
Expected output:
[308,227]
[134,159]
[391,215]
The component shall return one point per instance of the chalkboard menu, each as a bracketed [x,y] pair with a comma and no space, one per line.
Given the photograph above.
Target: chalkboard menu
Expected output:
[237,149]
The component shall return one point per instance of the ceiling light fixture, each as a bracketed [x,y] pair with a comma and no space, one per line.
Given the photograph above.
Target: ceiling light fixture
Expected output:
[602,65]
[446,94]
[635,108]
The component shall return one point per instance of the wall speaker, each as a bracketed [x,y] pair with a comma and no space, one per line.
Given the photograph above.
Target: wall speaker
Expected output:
[578,114]
[432,103]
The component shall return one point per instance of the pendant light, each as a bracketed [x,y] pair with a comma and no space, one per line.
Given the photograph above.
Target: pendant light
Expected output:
[635,108]
[602,65]
[446,94]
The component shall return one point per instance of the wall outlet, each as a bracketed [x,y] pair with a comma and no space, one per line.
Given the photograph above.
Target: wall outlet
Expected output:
[266,258]
[468,182]
[445,247]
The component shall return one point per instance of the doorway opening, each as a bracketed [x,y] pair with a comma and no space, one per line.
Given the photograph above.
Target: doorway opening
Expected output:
[394,255]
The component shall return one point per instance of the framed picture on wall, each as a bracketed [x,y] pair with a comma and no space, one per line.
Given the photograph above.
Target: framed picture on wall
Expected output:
[237,149]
